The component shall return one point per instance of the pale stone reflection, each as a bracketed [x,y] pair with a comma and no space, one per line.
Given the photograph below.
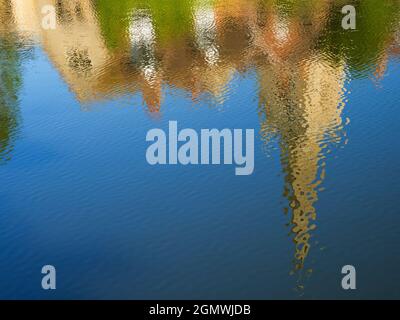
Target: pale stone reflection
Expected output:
[75,47]
[302,106]
[26,17]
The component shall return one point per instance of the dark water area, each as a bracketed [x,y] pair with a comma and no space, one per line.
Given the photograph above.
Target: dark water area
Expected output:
[76,191]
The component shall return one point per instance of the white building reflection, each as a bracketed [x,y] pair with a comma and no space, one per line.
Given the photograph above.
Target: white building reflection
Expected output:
[206,33]
[142,36]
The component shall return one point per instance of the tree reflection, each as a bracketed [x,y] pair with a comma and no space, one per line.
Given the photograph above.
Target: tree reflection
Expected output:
[10,82]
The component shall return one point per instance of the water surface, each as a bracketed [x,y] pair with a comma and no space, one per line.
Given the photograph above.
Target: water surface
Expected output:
[77,193]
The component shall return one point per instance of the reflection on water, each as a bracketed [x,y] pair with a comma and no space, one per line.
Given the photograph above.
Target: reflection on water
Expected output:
[302,58]
[303,110]
[10,82]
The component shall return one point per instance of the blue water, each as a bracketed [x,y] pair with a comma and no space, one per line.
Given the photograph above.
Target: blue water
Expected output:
[77,192]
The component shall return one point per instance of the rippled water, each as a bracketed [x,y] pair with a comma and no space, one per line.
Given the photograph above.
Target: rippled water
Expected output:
[76,191]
